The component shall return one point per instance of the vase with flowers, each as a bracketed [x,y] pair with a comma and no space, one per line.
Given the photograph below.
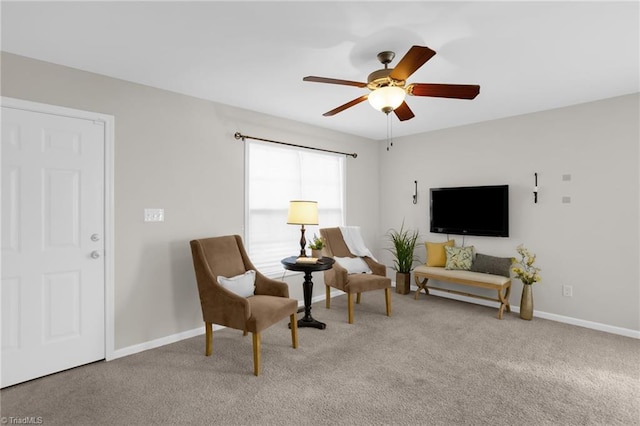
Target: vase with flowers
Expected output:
[529,274]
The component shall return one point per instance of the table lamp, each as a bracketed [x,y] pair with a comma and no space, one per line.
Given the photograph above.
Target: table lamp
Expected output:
[302,213]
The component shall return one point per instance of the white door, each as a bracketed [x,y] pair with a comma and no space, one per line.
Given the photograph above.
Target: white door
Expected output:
[53,270]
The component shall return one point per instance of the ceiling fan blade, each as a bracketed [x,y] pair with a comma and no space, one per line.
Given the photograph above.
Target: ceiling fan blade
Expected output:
[459,91]
[412,60]
[334,81]
[345,106]
[403,112]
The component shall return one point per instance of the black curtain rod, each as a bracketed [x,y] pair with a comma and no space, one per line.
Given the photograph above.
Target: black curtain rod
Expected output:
[239,135]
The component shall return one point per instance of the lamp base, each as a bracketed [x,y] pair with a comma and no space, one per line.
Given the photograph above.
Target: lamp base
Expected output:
[303,243]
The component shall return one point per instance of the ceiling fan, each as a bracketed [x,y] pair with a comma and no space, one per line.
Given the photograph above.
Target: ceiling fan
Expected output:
[388,85]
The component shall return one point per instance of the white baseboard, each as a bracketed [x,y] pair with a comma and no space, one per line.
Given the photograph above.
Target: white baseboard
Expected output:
[540,314]
[156,343]
[587,324]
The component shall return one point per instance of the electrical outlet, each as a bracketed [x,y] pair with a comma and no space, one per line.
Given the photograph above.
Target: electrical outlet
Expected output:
[567,291]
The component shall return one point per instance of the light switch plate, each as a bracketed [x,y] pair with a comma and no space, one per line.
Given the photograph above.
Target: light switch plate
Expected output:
[154,215]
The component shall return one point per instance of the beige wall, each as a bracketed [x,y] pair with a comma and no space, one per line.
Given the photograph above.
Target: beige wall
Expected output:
[178,153]
[590,244]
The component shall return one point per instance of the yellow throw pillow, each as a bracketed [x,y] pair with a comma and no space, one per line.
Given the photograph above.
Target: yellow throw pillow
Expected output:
[436,255]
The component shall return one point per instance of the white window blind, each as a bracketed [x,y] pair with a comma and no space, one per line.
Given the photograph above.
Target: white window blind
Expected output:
[275,176]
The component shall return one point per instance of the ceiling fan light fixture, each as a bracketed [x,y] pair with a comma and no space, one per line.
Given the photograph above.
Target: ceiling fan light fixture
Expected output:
[388,86]
[387,98]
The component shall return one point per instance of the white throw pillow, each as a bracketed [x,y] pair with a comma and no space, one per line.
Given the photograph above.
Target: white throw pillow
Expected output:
[242,285]
[353,265]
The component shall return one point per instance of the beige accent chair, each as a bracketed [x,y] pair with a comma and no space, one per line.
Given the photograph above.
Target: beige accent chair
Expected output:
[225,256]
[339,278]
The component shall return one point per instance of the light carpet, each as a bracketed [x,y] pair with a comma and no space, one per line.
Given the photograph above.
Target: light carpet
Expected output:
[435,361]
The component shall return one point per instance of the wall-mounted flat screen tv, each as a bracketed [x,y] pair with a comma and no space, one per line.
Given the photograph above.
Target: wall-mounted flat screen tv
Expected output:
[470,210]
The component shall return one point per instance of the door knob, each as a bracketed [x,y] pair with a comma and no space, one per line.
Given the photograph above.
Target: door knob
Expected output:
[95,237]
[95,254]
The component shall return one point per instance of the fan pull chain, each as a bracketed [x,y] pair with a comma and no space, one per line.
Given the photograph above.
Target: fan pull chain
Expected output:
[389,132]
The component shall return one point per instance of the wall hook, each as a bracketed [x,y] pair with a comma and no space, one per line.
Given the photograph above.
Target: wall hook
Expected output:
[535,188]
[415,192]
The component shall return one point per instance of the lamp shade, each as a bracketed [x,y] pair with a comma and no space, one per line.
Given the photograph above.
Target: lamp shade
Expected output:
[303,213]
[387,98]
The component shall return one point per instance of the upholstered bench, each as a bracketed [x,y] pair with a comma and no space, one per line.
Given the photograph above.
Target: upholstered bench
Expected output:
[500,283]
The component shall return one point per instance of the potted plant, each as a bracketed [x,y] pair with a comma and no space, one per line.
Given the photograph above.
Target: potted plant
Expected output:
[528,274]
[316,245]
[404,244]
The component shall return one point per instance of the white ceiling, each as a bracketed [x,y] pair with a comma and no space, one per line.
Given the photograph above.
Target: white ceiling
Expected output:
[526,56]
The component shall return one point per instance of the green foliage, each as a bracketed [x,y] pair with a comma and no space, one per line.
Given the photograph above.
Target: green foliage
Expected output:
[317,243]
[404,244]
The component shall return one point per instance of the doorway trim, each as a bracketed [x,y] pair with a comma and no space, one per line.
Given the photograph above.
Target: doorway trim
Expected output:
[109,231]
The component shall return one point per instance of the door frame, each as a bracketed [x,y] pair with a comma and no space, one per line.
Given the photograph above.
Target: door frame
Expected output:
[109,231]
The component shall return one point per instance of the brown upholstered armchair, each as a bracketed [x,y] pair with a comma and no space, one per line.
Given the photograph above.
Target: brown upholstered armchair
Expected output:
[226,257]
[338,277]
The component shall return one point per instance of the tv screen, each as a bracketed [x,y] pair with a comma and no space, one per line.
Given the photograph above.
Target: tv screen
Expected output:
[470,210]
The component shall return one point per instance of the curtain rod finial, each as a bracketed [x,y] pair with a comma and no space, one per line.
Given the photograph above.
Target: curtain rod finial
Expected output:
[238,135]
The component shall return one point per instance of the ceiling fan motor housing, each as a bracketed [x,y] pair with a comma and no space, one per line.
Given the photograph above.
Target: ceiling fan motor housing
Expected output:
[380,78]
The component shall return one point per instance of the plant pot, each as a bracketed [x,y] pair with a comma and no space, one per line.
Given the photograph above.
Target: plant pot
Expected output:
[316,253]
[403,282]
[526,302]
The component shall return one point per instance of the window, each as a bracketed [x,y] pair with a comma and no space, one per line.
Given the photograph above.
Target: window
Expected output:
[276,175]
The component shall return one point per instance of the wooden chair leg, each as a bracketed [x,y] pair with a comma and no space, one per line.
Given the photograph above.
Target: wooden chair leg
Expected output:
[208,329]
[358,298]
[245,332]
[294,330]
[387,299]
[327,300]
[256,354]
[350,307]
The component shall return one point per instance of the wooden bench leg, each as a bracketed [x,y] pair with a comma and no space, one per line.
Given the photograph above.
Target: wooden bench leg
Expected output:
[506,297]
[422,284]
[502,305]
[358,298]
[504,301]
